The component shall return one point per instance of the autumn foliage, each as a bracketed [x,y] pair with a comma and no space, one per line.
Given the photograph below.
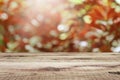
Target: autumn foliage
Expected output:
[60,25]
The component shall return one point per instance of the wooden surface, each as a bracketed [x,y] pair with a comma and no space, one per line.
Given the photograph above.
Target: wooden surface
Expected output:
[60,66]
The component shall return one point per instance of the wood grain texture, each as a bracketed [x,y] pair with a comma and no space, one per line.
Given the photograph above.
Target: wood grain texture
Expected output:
[60,66]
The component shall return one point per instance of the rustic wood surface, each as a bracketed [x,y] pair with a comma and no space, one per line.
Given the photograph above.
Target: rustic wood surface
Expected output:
[60,66]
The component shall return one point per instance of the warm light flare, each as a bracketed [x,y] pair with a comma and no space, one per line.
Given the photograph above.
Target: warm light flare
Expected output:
[59,25]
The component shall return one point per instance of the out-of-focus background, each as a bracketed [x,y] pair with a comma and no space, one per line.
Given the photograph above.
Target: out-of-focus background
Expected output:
[59,25]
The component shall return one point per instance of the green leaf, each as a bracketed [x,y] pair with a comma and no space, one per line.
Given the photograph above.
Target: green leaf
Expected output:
[2,30]
[1,40]
[76,1]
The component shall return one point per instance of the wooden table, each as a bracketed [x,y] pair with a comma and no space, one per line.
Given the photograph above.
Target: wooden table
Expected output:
[60,66]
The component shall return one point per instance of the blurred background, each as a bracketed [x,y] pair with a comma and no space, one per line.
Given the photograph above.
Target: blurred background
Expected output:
[59,25]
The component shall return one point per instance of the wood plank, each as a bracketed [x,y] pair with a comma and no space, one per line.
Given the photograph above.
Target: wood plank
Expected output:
[60,66]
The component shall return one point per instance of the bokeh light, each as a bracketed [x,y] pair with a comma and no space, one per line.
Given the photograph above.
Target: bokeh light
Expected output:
[59,25]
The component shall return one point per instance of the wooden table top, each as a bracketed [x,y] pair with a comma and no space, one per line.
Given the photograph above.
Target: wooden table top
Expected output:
[60,66]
